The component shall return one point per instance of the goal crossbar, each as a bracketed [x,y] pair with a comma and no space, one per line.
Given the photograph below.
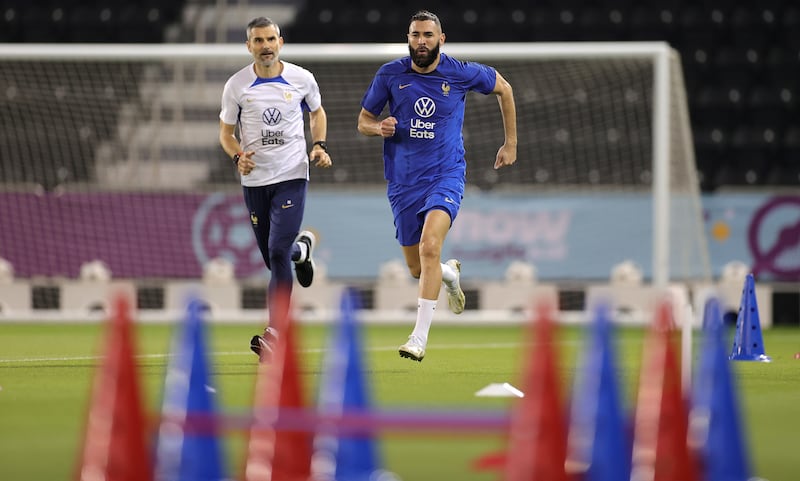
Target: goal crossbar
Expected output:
[342,52]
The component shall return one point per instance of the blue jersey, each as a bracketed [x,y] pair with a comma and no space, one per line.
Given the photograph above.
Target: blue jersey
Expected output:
[429,109]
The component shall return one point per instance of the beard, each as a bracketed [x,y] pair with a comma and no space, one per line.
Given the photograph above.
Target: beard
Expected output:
[424,60]
[266,62]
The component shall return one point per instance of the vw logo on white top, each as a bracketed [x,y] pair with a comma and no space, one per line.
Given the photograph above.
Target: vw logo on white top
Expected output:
[271,116]
[424,107]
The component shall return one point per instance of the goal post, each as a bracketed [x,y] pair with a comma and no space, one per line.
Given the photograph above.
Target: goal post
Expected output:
[595,120]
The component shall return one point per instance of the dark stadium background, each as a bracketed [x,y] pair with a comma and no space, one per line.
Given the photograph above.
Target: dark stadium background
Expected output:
[741,60]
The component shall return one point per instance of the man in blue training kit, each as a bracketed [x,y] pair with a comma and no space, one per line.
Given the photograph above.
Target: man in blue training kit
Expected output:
[266,100]
[423,155]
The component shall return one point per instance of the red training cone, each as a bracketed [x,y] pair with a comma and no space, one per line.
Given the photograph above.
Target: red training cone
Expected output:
[660,446]
[115,447]
[275,453]
[537,445]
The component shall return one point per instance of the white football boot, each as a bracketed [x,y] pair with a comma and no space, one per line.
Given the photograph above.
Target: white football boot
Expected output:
[455,295]
[414,349]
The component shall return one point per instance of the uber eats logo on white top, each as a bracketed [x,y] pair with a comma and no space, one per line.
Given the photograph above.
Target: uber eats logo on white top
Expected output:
[271,116]
[420,129]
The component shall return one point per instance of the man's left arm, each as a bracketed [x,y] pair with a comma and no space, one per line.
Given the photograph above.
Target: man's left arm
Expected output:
[507,154]
[318,122]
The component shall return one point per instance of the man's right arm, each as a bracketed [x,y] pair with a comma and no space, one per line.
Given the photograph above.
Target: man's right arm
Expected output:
[229,143]
[369,125]
[227,139]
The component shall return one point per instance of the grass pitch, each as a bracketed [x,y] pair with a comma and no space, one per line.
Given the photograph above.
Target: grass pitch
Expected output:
[46,371]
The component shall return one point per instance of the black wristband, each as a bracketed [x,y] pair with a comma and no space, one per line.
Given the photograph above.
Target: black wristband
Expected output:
[236,157]
[322,144]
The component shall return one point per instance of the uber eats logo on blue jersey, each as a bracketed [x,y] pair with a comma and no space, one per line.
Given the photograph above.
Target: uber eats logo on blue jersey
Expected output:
[271,117]
[420,129]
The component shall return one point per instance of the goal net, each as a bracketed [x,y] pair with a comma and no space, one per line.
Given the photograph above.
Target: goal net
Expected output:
[110,153]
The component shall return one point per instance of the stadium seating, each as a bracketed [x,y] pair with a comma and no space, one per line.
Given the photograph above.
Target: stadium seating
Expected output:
[635,304]
[15,299]
[786,172]
[740,61]
[518,292]
[321,298]
[124,21]
[220,299]
[740,58]
[89,298]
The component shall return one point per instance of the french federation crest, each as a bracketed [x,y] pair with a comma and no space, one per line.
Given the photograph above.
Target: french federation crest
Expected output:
[445,89]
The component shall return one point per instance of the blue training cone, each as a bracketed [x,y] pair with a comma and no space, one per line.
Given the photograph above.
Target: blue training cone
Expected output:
[599,444]
[716,429]
[188,445]
[748,344]
[346,455]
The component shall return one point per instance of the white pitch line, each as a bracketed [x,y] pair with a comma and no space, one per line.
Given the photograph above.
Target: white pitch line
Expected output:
[437,347]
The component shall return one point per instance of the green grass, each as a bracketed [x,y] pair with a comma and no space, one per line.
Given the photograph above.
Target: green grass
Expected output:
[46,371]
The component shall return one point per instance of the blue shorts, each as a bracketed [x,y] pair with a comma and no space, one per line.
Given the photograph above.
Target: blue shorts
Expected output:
[410,204]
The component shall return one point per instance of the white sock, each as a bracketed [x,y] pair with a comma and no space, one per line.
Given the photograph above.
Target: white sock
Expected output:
[303,252]
[425,308]
[449,276]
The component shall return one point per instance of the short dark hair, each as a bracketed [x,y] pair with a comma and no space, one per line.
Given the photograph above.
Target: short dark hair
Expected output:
[260,22]
[424,15]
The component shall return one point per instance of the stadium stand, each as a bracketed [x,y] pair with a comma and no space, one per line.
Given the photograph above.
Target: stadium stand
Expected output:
[741,59]
[74,21]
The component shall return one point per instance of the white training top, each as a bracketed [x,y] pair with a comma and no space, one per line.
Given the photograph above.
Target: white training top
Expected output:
[269,114]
